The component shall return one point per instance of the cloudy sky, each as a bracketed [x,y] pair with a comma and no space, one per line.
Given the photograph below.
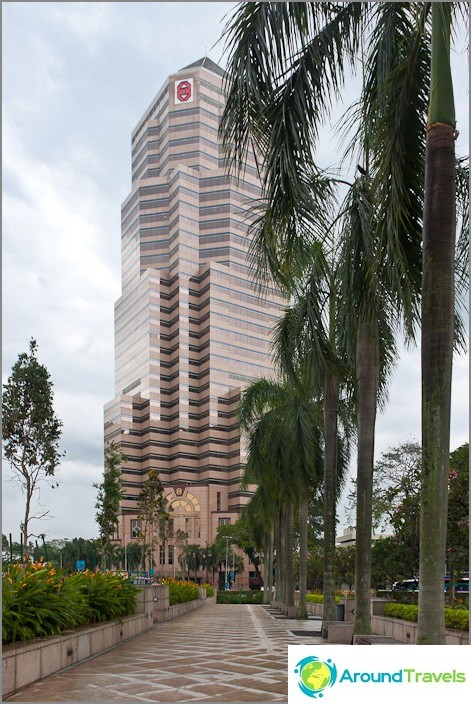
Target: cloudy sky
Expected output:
[77,77]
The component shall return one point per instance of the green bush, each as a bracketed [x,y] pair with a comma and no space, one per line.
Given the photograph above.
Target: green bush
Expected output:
[109,596]
[240,597]
[180,590]
[454,618]
[319,598]
[209,589]
[39,601]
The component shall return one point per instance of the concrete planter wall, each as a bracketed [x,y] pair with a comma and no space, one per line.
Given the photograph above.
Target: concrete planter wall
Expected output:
[403,631]
[28,661]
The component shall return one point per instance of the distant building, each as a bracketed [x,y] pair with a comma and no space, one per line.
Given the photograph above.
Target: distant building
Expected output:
[190,327]
[349,535]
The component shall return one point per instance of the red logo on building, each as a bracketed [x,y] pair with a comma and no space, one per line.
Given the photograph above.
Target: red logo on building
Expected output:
[184,91]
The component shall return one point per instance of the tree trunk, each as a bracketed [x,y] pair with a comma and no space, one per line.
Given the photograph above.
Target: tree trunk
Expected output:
[281,557]
[289,566]
[439,230]
[268,582]
[367,373]
[24,537]
[301,611]
[331,406]
[437,351]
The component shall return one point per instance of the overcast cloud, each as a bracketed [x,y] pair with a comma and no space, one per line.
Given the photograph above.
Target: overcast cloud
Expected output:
[77,77]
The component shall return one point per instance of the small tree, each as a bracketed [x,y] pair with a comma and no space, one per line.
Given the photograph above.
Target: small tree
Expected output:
[151,512]
[110,494]
[31,431]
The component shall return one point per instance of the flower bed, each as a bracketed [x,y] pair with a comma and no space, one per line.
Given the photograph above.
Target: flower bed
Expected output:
[40,601]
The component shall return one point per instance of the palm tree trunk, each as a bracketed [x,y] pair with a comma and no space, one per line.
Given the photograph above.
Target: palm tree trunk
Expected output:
[289,568]
[281,557]
[367,373]
[331,406]
[301,611]
[439,230]
[268,582]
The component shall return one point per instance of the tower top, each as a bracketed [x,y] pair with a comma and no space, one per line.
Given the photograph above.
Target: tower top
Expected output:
[205,62]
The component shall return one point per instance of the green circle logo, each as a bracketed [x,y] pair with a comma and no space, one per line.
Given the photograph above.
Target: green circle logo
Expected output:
[315,676]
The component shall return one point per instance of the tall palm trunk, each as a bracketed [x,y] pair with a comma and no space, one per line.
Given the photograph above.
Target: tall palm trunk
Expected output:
[301,611]
[437,332]
[331,406]
[289,551]
[268,563]
[280,557]
[367,373]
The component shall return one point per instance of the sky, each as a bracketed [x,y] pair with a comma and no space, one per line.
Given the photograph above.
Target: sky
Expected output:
[77,78]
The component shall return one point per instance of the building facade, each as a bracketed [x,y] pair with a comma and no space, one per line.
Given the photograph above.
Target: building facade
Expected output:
[191,329]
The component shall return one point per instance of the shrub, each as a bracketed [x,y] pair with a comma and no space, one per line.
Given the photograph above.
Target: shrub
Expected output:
[454,618]
[240,597]
[180,590]
[109,596]
[209,589]
[319,598]
[39,601]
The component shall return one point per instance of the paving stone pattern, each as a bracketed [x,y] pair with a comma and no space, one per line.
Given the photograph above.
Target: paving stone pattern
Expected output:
[218,653]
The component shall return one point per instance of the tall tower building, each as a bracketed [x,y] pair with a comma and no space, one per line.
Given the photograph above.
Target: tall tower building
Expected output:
[191,329]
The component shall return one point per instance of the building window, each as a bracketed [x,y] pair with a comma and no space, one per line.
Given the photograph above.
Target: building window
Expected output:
[224,521]
[170,554]
[135,529]
[188,527]
[171,527]
[161,555]
[197,528]
[218,501]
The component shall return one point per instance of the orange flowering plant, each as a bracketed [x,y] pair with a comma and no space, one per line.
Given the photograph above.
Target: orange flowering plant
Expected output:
[39,600]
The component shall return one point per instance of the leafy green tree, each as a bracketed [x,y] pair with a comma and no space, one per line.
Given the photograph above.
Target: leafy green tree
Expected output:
[391,561]
[31,431]
[396,496]
[110,494]
[150,512]
[458,511]
[345,557]
[240,536]
[79,549]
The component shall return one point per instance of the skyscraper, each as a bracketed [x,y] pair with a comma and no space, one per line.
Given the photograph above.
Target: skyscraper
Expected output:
[191,329]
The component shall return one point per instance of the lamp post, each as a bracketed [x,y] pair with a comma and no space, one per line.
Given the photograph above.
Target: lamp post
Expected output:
[125,554]
[227,538]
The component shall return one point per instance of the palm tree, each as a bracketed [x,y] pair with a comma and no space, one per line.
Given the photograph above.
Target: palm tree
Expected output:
[260,515]
[439,230]
[287,62]
[283,423]
[308,332]
[191,558]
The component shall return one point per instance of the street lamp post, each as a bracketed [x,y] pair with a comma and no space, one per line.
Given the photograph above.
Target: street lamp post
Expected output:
[227,538]
[125,554]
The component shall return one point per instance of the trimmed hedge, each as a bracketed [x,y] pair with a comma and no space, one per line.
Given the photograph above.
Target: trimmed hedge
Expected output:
[319,598]
[240,597]
[454,618]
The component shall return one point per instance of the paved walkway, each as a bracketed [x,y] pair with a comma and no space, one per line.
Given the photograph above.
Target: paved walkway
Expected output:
[218,653]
